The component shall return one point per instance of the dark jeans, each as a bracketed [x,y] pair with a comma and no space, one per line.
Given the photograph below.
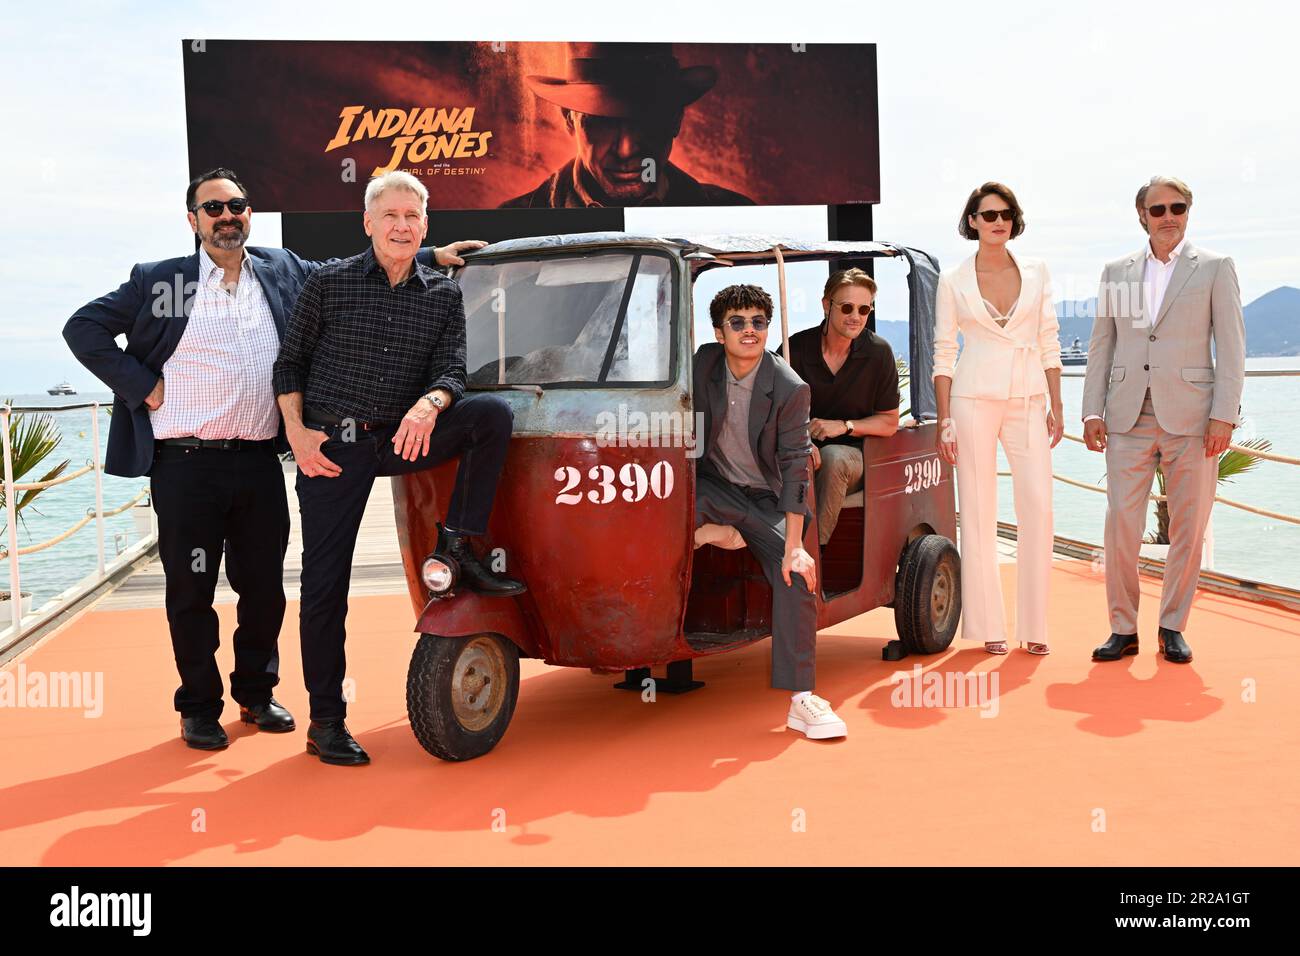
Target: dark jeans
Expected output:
[206,498]
[477,428]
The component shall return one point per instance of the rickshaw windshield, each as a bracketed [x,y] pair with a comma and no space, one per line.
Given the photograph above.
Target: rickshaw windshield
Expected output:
[602,318]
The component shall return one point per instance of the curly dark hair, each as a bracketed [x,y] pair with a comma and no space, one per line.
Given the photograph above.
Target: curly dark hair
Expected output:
[221,172]
[739,297]
[990,189]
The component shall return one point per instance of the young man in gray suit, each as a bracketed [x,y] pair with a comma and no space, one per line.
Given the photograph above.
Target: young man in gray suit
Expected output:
[1153,395]
[752,482]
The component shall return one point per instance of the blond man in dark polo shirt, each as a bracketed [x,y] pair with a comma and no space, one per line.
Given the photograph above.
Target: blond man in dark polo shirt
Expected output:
[854,382]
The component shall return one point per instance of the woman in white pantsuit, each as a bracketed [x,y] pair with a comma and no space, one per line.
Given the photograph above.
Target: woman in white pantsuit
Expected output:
[1005,386]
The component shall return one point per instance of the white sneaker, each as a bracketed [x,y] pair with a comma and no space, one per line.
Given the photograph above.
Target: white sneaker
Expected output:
[813,717]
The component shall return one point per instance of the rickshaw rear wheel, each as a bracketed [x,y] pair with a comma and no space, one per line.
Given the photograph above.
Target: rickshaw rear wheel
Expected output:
[927,594]
[461,693]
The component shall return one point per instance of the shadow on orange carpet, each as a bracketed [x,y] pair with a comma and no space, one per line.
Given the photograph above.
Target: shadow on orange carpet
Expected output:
[1139,762]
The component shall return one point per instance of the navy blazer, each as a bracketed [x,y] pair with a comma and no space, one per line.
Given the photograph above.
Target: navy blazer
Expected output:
[151,309]
[778,421]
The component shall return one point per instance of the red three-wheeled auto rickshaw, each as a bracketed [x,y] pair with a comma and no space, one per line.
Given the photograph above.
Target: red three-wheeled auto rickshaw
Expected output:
[589,338]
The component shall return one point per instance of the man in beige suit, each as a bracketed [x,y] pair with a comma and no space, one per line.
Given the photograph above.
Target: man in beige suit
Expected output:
[1153,395]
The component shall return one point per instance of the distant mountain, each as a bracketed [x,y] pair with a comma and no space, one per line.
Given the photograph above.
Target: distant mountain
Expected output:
[1272,324]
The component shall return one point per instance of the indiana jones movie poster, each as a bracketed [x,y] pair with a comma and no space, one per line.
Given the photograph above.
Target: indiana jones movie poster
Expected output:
[537,125]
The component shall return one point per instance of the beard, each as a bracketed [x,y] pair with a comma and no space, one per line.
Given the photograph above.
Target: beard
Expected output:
[224,238]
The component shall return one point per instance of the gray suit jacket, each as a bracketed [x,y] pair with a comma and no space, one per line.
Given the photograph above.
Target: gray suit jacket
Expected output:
[778,421]
[1129,354]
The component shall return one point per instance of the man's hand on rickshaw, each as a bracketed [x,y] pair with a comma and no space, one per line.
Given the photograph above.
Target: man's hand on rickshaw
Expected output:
[800,562]
[449,255]
[311,461]
[720,536]
[945,442]
[816,457]
[411,440]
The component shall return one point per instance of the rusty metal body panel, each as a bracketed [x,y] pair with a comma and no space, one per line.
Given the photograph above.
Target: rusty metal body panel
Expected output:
[603,532]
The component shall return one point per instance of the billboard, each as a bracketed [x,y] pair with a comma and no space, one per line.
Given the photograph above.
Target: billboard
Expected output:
[488,125]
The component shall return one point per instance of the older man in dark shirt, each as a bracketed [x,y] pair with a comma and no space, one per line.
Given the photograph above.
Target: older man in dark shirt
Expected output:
[374,359]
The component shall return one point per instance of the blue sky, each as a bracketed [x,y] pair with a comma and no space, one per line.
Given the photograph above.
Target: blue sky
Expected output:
[1074,108]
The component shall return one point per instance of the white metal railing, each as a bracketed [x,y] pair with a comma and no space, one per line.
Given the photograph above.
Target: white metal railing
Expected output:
[12,552]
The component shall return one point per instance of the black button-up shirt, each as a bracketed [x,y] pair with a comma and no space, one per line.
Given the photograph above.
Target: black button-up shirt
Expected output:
[866,383]
[359,348]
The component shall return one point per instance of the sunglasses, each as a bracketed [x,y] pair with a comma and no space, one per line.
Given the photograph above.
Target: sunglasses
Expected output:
[992,215]
[1158,212]
[213,207]
[737,324]
[848,307]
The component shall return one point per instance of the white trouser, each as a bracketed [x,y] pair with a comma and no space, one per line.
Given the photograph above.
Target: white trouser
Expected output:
[1021,426]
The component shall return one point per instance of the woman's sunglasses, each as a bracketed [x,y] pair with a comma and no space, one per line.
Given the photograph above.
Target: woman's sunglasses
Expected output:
[738,324]
[213,207]
[1158,212]
[992,215]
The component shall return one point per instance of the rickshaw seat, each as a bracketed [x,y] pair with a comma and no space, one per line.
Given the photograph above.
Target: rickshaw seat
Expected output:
[854,500]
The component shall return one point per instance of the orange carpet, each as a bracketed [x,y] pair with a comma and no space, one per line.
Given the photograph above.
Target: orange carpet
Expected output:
[1140,762]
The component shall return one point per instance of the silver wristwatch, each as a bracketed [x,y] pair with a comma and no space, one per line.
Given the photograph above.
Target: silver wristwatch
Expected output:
[435,400]
[848,423]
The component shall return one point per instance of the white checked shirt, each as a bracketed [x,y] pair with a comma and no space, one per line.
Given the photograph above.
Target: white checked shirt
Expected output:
[217,384]
[1156,279]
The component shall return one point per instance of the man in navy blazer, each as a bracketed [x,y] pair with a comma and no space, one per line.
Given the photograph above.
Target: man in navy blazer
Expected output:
[194,409]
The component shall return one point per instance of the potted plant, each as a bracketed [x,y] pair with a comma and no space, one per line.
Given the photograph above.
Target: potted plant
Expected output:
[32,440]
[1231,464]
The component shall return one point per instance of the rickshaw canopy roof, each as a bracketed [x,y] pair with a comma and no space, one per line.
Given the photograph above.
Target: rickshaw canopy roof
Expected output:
[757,249]
[751,247]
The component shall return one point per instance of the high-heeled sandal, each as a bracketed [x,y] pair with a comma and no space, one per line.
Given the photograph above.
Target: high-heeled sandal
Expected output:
[996,647]
[1036,647]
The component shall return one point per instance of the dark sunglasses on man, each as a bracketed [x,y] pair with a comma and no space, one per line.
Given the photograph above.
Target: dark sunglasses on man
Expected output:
[214,207]
[738,324]
[1158,211]
[992,215]
[848,307]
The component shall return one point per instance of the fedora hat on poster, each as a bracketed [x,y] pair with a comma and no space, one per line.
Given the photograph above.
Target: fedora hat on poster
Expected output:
[624,79]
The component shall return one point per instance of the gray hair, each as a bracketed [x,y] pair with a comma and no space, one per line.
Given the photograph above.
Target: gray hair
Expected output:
[396,180]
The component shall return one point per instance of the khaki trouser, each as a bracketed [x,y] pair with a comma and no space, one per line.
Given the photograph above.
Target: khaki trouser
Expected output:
[839,476]
[1190,479]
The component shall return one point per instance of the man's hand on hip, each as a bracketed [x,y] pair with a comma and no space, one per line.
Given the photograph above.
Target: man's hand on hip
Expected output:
[311,461]
[411,440]
[1217,437]
[154,399]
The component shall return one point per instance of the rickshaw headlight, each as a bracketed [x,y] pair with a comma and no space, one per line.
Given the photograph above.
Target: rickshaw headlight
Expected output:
[438,575]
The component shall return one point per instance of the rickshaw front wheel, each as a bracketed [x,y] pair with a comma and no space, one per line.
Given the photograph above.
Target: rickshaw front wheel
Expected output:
[927,594]
[461,693]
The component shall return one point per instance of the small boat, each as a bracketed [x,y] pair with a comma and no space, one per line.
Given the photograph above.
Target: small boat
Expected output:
[63,388]
[1074,354]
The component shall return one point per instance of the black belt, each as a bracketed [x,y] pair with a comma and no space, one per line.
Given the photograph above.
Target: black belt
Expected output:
[222,444]
[311,416]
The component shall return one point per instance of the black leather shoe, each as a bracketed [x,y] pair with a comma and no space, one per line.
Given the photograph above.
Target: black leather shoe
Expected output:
[1174,648]
[330,740]
[1116,646]
[270,717]
[204,733]
[472,572]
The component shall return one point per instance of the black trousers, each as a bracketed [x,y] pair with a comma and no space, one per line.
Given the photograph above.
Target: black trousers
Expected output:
[208,501]
[477,428]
